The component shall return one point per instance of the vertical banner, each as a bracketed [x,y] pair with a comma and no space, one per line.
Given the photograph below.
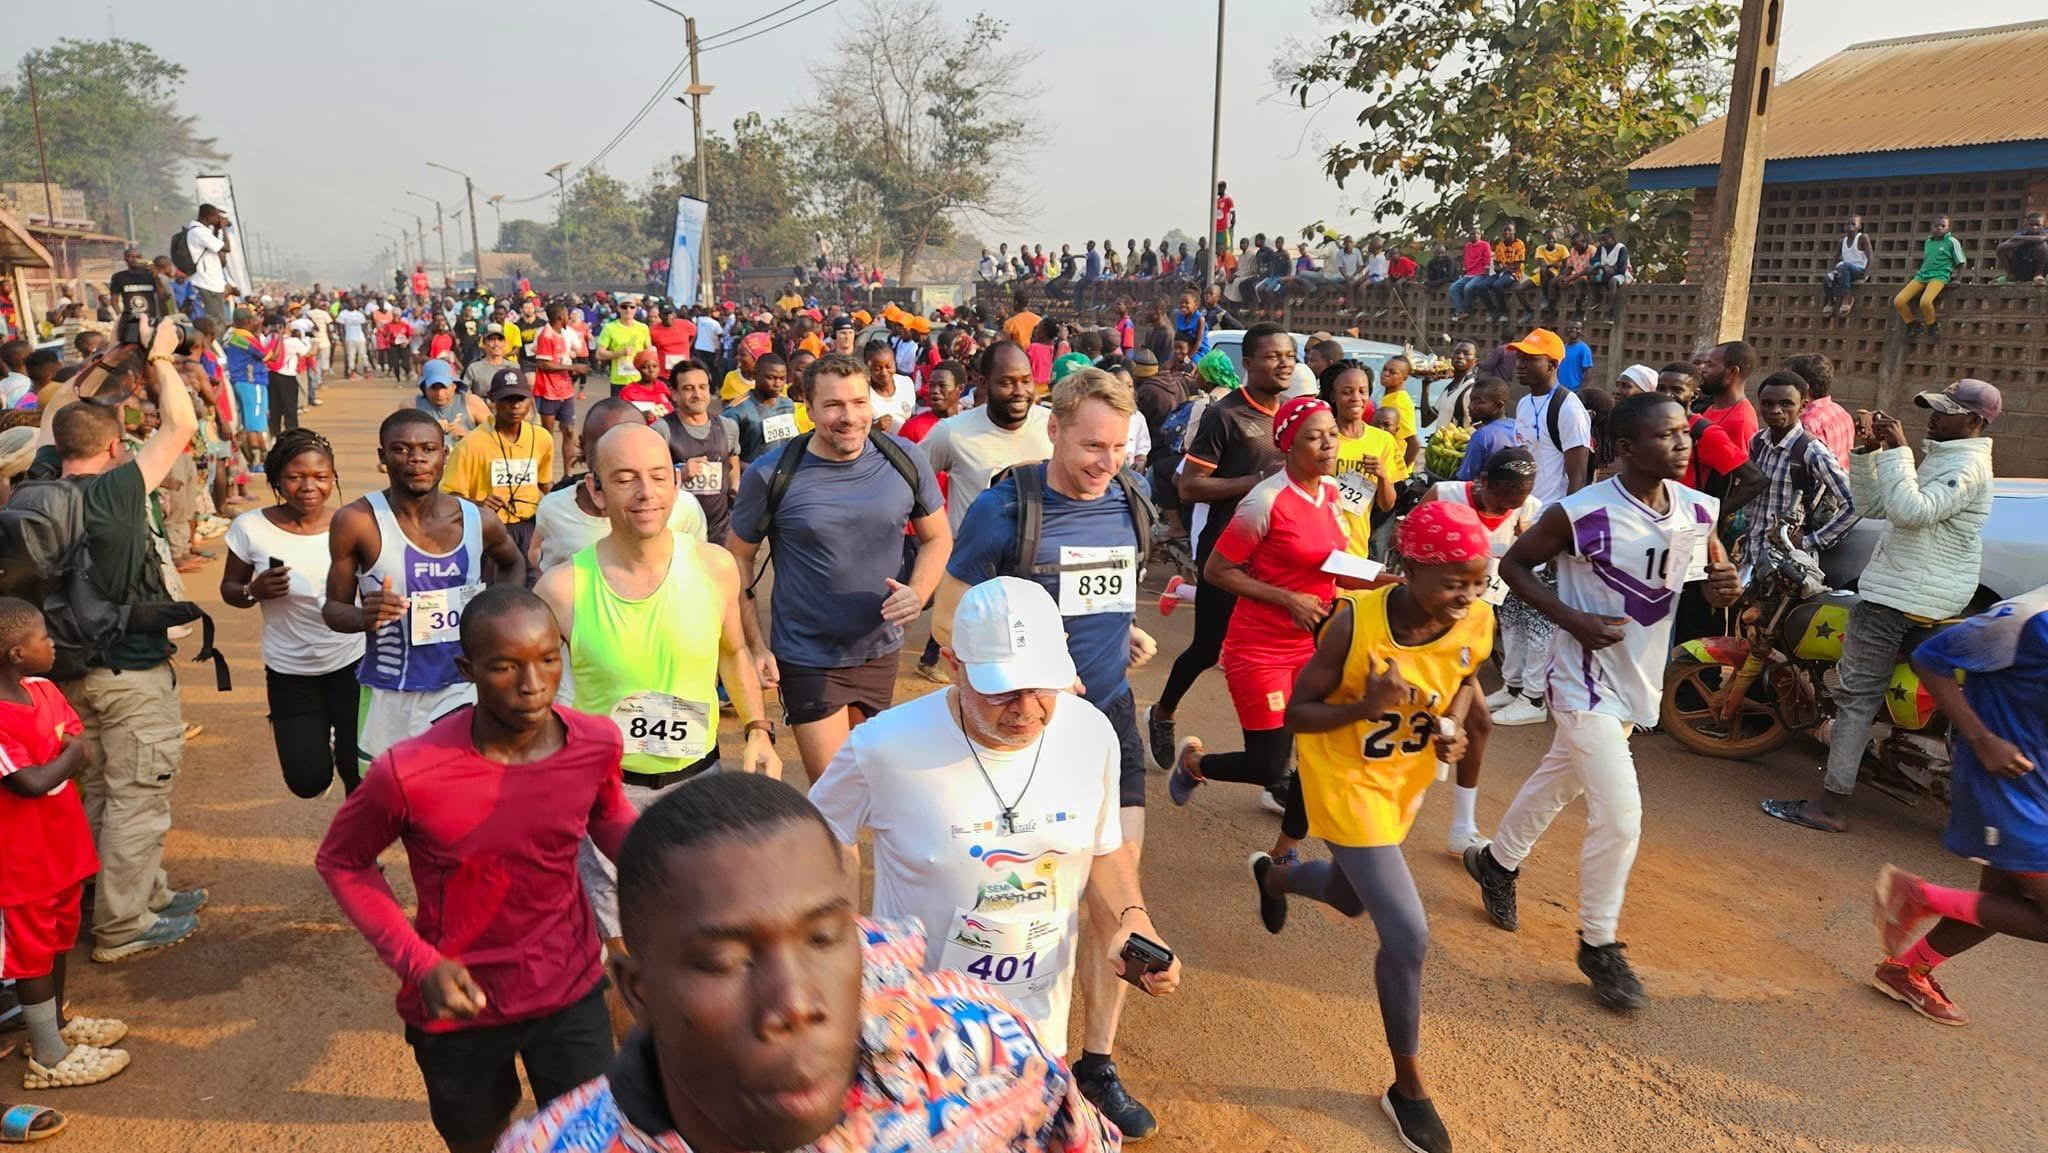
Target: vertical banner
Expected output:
[219,191]
[684,252]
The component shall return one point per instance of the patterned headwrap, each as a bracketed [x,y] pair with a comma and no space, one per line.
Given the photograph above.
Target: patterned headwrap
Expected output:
[1440,532]
[1216,371]
[1288,422]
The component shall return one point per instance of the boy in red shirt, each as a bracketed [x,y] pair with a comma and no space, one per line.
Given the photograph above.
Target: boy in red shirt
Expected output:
[49,856]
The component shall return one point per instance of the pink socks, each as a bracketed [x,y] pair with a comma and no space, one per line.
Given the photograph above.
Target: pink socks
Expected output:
[1920,955]
[1955,904]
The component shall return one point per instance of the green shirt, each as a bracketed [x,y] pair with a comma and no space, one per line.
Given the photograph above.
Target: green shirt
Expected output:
[629,336]
[125,564]
[1943,255]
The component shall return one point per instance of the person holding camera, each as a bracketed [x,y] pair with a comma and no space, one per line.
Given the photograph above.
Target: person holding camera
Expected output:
[206,244]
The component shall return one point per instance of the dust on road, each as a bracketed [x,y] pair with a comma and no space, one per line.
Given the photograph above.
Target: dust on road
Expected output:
[272,1029]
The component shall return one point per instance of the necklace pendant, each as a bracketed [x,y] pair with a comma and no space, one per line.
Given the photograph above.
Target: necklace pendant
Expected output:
[1009,822]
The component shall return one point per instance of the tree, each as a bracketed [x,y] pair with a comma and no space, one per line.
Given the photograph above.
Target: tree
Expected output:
[604,225]
[1526,110]
[915,123]
[111,127]
[753,185]
[523,236]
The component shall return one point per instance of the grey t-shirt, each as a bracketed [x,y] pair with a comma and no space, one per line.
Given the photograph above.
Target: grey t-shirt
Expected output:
[715,441]
[751,418]
[836,542]
[477,377]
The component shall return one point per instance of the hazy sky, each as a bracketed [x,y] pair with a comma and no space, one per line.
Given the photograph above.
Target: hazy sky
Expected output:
[331,110]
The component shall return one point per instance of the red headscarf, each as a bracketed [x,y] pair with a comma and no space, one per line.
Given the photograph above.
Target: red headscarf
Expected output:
[1287,422]
[1440,532]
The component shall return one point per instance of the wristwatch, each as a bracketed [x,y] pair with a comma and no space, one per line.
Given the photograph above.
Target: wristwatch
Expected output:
[765,726]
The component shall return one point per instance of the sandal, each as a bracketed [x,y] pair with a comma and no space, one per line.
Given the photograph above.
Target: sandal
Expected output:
[1794,813]
[83,1065]
[96,1032]
[18,1124]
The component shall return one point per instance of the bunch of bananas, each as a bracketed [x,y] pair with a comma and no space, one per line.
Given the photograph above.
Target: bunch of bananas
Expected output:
[1446,451]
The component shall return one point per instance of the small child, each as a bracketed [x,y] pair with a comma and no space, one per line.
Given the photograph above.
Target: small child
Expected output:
[49,856]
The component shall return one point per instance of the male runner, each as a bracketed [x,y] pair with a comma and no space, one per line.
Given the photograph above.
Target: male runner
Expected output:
[1007,428]
[838,610]
[405,562]
[765,417]
[706,450]
[994,810]
[1231,452]
[491,802]
[1623,548]
[1087,556]
[505,467]
[556,349]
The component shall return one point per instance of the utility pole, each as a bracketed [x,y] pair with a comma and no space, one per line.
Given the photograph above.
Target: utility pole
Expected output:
[562,217]
[1738,190]
[497,204]
[440,234]
[475,241]
[35,110]
[1215,163]
[696,92]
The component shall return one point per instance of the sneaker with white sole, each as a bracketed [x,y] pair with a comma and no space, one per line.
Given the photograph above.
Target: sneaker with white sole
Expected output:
[166,932]
[1502,698]
[1521,711]
[1274,799]
[1462,839]
[1181,784]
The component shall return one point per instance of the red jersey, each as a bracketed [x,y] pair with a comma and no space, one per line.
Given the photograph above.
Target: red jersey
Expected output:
[1281,534]
[550,345]
[673,341]
[396,333]
[49,846]
[1738,420]
[1224,207]
[1713,454]
[420,284]
[492,848]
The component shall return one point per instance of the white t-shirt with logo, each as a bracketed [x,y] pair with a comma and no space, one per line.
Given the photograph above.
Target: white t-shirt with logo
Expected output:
[1532,427]
[901,404]
[1004,907]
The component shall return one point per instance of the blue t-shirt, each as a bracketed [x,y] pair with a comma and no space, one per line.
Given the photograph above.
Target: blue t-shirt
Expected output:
[1487,439]
[837,542]
[750,417]
[1100,643]
[1578,361]
[2003,655]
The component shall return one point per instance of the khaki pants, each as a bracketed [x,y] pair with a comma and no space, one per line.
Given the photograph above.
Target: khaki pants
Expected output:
[135,740]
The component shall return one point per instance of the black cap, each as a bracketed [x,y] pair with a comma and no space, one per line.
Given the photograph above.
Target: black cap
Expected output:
[509,382]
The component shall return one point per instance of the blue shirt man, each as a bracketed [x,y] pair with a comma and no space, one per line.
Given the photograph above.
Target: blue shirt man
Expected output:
[1577,362]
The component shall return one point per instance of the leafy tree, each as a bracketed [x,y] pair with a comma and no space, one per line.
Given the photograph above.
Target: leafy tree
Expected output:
[753,185]
[606,237]
[915,123]
[111,127]
[1523,110]
[523,235]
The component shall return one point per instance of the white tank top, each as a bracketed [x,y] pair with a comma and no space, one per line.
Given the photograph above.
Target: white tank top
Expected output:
[416,652]
[1852,253]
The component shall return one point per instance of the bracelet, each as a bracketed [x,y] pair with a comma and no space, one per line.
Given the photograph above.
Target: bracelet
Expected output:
[764,726]
[161,358]
[1127,909]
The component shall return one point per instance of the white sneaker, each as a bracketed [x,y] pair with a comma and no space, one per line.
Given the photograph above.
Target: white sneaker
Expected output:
[1276,805]
[1520,712]
[1462,839]
[1501,698]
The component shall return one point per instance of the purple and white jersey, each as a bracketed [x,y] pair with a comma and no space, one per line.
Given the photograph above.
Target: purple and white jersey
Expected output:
[1626,561]
[416,652]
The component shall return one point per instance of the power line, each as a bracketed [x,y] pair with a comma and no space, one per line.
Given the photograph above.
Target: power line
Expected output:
[770,28]
[701,40]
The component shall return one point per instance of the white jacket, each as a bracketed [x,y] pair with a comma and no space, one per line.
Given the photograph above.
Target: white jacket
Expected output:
[1926,563]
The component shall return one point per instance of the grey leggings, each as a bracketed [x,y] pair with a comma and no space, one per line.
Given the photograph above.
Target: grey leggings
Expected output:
[1376,881]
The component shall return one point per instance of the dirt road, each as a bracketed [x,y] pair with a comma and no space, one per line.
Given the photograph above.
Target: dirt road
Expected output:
[273,1028]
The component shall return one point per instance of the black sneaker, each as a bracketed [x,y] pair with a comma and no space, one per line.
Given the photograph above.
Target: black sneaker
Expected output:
[1420,1128]
[1934,333]
[1914,329]
[1159,738]
[1614,982]
[1105,1090]
[1496,886]
[1272,910]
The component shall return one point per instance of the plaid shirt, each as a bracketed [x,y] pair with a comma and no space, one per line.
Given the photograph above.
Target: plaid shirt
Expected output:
[1805,483]
[1832,424]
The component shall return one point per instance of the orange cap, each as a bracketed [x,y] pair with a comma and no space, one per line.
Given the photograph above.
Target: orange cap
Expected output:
[1541,342]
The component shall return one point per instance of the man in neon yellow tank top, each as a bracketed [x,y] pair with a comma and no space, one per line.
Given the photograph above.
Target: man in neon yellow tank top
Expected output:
[652,623]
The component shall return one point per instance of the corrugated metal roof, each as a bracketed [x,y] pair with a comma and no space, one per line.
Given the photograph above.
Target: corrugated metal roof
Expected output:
[18,247]
[1942,90]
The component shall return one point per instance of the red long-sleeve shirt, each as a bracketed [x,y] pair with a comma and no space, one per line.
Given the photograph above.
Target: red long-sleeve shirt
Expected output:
[492,848]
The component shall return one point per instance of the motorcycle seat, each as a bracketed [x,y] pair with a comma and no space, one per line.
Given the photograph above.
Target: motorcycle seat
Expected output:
[1920,632]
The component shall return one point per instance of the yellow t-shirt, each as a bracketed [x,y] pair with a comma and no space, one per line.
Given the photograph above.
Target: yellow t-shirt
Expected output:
[485,464]
[1552,256]
[1354,511]
[734,387]
[1363,783]
[789,302]
[515,340]
[1401,402]
[802,413]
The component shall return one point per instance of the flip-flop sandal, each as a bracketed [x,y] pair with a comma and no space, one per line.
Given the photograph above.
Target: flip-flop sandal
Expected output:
[1794,813]
[7,1048]
[18,1124]
[97,1032]
[83,1065]
[193,730]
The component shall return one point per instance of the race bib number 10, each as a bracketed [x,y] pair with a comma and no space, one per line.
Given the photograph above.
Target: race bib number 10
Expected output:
[1098,580]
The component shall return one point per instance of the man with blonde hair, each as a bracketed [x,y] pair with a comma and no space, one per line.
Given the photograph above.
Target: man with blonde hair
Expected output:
[1079,526]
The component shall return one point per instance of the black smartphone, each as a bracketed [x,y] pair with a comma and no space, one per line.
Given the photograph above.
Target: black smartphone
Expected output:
[277,562]
[1144,955]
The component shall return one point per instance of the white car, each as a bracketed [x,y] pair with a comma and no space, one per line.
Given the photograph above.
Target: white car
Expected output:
[2015,544]
[1373,353]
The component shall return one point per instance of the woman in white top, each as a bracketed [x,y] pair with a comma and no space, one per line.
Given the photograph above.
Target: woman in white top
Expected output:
[277,560]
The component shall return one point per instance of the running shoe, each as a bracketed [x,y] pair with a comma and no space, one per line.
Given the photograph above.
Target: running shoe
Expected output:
[1462,839]
[184,903]
[1496,886]
[1416,1121]
[1900,909]
[166,932]
[1181,784]
[935,673]
[1273,799]
[1099,1083]
[1502,698]
[1272,910]
[1170,600]
[1158,738]
[1915,988]
[1521,711]
[1614,983]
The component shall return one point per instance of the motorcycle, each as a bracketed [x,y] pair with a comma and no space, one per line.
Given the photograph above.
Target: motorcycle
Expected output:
[1739,697]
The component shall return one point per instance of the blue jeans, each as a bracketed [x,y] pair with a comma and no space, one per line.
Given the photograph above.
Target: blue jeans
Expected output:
[1841,283]
[1869,653]
[1461,291]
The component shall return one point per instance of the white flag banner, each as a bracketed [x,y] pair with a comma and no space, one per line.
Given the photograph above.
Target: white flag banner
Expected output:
[684,254]
[219,191]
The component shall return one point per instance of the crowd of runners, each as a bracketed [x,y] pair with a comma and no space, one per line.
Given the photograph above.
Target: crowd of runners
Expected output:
[603,523]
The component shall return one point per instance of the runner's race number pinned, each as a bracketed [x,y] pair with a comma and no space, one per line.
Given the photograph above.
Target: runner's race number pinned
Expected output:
[664,725]
[1098,580]
[437,614]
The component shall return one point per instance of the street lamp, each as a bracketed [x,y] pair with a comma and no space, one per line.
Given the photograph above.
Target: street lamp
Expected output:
[562,216]
[475,242]
[440,236]
[497,204]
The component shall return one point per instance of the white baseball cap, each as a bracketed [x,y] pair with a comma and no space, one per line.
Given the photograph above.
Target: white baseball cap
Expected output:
[1009,635]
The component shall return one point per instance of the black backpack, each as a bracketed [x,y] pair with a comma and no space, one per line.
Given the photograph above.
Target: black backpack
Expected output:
[45,560]
[181,251]
[1030,482]
[792,457]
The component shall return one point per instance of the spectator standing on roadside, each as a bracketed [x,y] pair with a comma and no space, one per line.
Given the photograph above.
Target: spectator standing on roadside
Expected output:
[1577,364]
[1827,420]
[206,238]
[1805,486]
